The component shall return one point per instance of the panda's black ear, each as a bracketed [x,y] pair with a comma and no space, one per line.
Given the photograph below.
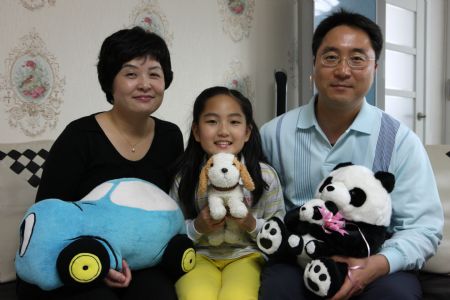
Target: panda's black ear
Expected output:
[387,180]
[344,164]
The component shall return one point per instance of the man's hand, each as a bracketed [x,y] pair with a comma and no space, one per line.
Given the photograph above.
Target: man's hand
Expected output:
[365,271]
[116,279]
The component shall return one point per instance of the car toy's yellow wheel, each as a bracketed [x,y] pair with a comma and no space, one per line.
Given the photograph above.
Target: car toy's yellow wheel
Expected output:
[179,256]
[188,260]
[85,267]
[83,261]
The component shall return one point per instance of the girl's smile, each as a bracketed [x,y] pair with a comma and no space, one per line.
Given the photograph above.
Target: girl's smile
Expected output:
[222,126]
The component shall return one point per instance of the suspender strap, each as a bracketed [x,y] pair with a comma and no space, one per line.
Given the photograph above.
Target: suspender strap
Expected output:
[280,161]
[385,143]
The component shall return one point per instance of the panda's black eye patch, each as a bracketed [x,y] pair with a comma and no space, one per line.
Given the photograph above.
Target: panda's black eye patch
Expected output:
[316,213]
[325,183]
[358,197]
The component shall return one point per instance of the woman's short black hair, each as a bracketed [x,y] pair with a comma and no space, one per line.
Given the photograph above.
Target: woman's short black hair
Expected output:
[351,19]
[125,45]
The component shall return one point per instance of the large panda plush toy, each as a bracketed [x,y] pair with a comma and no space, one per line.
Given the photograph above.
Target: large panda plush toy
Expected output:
[349,216]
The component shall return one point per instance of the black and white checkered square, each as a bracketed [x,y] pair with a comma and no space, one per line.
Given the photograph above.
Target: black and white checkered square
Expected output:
[28,163]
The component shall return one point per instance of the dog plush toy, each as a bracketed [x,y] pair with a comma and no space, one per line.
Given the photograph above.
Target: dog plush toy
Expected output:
[221,177]
[76,243]
[349,216]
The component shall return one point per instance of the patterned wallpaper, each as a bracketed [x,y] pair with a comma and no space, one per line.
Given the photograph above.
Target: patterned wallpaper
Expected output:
[49,52]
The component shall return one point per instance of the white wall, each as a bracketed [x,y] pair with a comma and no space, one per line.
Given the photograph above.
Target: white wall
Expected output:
[436,51]
[207,44]
[203,54]
[447,76]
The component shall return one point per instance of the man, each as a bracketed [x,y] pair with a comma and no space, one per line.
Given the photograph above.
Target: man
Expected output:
[338,125]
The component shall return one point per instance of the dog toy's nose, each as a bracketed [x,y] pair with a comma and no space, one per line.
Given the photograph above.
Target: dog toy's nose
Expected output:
[224,170]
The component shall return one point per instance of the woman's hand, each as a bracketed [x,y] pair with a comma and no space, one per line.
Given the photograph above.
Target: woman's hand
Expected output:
[366,271]
[204,223]
[116,279]
[247,223]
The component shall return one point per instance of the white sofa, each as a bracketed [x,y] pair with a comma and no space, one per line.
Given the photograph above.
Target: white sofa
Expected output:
[435,275]
[21,167]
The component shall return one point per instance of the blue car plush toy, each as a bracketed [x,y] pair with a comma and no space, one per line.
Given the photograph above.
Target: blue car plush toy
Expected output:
[76,243]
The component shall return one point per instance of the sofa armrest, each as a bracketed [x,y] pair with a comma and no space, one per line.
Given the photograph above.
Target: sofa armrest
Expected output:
[440,160]
[20,172]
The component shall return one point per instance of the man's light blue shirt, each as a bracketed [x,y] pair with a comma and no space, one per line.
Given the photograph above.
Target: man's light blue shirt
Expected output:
[303,156]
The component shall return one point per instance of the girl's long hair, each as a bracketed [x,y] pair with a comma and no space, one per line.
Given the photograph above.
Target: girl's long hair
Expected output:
[188,166]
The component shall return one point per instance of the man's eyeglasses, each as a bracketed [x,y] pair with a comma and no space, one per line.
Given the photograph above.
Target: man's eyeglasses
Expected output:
[357,61]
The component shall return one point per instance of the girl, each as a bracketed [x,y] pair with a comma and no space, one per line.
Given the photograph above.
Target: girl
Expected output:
[223,122]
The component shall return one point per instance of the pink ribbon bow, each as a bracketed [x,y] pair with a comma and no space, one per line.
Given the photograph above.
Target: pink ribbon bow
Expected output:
[332,222]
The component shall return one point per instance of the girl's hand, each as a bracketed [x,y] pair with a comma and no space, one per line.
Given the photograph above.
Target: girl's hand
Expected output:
[373,267]
[204,223]
[116,279]
[247,223]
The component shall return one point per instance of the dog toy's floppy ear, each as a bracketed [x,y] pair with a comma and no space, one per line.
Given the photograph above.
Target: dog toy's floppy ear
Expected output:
[203,181]
[245,175]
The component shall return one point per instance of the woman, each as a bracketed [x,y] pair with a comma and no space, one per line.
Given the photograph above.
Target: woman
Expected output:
[134,70]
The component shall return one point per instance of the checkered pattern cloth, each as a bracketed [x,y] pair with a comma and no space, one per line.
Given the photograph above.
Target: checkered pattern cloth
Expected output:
[28,163]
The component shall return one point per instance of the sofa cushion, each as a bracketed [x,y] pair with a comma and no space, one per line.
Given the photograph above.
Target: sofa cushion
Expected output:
[440,160]
[20,171]
[435,286]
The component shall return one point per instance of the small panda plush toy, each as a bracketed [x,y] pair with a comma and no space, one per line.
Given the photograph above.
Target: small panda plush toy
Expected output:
[349,216]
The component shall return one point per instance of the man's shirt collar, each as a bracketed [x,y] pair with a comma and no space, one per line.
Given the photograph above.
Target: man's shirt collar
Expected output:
[362,123]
